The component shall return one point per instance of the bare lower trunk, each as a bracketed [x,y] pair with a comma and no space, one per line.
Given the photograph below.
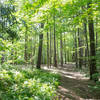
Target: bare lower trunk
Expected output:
[93,69]
[76,55]
[48,63]
[96,34]
[40,51]
[80,49]
[87,46]
[61,49]
[55,58]
[64,48]
[50,47]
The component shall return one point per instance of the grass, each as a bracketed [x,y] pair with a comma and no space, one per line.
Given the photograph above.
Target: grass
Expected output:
[27,84]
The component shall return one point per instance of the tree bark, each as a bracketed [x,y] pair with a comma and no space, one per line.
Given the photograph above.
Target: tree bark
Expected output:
[76,55]
[40,51]
[80,50]
[87,46]
[55,57]
[96,34]
[93,69]
[50,47]
[61,49]
[64,48]
[58,52]
[48,63]
[68,56]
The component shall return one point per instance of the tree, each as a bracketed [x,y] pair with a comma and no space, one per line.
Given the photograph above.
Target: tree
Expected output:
[40,48]
[93,69]
[55,57]
[48,63]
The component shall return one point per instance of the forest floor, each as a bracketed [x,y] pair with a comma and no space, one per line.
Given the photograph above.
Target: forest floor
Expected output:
[74,84]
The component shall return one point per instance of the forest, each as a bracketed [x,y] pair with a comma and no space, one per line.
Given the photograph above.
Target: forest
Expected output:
[49,49]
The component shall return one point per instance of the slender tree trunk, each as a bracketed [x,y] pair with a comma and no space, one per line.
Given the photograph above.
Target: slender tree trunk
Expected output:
[32,52]
[68,54]
[93,69]
[48,62]
[55,57]
[64,48]
[40,48]
[96,34]
[76,55]
[96,39]
[58,51]
[80,49]
[50,47]
[43,56]
[61,49]
[87,46]
[40,51]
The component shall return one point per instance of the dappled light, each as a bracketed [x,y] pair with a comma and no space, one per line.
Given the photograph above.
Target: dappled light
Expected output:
[74,85]
[49,49]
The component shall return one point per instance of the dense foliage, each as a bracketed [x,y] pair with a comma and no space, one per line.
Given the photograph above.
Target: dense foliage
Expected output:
[27,84]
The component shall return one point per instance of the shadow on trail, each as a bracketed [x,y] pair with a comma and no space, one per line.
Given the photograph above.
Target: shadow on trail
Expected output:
[74,89]
[74,85]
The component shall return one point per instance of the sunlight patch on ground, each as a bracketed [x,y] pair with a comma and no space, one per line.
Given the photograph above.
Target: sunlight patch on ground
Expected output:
[70,77]
[53,70]
[74,75]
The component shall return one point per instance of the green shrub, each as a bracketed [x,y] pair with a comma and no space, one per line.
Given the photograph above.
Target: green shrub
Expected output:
[27,84]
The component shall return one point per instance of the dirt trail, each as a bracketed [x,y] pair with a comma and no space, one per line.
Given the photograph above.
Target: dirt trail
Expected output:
[74,85]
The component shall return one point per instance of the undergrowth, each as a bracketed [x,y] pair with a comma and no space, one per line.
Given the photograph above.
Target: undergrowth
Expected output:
[27,84]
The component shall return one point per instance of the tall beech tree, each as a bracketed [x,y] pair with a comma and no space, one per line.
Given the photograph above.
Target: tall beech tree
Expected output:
[93,69]
[40,48]
[48,60]
[54,19]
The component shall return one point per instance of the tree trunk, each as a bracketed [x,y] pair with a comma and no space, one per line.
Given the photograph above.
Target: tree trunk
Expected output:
[96,34]
[48,63]
[64,48]
[87,46]
[55,58]
[61,49]
[68,56]
[76,55]
[80,49]
[93,69]
[33,51]
[40,51]
[58,51]
[50,47]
